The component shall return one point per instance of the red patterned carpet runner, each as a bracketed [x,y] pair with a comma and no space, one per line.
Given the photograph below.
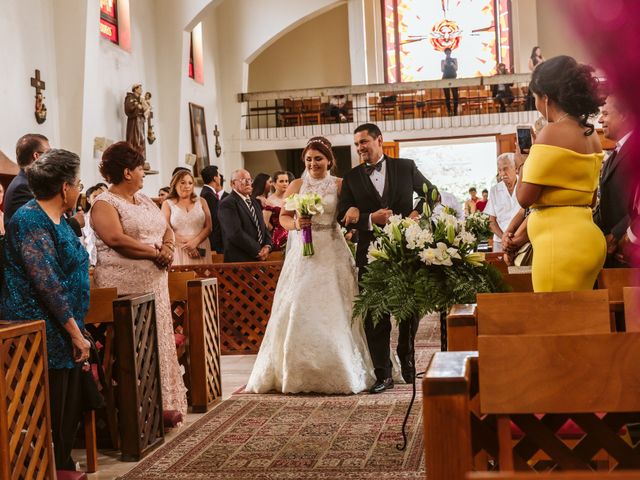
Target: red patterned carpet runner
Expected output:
[304,437]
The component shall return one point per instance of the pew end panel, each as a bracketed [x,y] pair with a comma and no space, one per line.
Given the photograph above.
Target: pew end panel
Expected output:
[457,439]
[140,417]
[204,343]
[26,444]
[462,328]
[614,280]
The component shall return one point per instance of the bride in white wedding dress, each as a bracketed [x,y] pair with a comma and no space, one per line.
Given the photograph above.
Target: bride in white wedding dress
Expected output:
[311,343]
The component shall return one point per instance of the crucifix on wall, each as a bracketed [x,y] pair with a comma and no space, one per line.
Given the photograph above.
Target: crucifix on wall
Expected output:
[40,108]
[216,134]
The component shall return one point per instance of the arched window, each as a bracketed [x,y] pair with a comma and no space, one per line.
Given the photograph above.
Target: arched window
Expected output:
[417,32]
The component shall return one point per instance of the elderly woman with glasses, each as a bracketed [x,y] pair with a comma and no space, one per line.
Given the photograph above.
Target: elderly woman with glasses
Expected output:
[46,272]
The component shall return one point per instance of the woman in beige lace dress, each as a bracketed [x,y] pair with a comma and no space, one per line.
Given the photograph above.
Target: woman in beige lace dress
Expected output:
[190,219]
[135,247]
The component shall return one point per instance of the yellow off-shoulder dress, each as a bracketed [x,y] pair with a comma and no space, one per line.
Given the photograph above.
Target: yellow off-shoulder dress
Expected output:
[568,248]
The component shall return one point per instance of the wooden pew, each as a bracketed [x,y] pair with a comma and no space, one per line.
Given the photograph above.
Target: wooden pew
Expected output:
[538,382]
[615,279]
[25,420]
[99,323]
[518,313]
[195,311]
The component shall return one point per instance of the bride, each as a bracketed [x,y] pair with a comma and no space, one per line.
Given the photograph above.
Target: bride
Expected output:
[311,343]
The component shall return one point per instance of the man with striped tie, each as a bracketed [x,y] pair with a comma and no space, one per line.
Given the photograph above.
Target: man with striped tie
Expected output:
[245,236]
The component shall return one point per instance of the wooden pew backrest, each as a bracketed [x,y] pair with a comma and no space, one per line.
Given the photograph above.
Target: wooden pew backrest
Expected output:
[614,279]
[559,373]
[101,305]
[543,313]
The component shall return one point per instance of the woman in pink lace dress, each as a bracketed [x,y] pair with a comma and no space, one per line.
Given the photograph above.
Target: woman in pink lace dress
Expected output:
[135,248]
[272,207]
[189,217]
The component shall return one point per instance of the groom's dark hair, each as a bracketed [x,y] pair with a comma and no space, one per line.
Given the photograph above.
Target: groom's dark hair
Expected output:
[371,128]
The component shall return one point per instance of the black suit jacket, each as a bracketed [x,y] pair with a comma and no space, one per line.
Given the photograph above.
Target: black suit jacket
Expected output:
[215,237]
[239,233]
[18,193]
[612,215]
[402,179]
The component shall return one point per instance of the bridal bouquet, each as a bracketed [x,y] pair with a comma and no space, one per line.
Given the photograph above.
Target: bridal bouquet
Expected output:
[422,266]
[305,205]
[477,223]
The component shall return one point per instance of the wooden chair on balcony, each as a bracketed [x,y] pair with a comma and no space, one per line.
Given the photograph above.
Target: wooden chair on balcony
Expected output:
[311,111]
[292,112]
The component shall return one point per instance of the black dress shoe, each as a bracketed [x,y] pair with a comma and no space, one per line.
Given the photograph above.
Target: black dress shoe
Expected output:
[382,385]
[408,370]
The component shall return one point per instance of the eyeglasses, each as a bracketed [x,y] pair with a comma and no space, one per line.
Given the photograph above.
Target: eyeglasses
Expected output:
[79,186]
[244,181]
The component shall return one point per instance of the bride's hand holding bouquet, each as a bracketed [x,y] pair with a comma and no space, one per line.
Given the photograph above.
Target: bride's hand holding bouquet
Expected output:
[306,205]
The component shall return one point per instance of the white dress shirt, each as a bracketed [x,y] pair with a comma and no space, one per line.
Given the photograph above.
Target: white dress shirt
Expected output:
[504,207]
[378,179]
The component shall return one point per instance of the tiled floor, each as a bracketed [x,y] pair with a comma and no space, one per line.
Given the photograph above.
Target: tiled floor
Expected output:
[235,373]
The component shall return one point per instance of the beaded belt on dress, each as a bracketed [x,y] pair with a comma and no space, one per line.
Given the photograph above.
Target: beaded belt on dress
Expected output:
[323,226]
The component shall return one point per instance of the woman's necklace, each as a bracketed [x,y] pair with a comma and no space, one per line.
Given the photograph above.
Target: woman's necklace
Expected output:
[561,118]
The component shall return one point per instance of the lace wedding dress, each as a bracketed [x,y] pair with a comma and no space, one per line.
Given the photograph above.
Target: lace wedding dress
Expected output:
[311,343]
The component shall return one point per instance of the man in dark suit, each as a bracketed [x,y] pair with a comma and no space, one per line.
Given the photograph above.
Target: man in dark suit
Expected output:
[379,187]
[28,149]
[245,236]
[220,190]
[615,192]
[211,179]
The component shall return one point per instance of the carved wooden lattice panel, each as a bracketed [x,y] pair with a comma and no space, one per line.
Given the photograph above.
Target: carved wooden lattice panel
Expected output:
[212,342]
[204,343]
[139,392]
[25,431]
[245,296]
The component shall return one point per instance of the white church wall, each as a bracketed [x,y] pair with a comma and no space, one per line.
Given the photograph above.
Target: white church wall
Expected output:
[26,46]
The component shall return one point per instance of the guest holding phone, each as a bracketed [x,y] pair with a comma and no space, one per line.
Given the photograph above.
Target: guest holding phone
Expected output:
[189,217]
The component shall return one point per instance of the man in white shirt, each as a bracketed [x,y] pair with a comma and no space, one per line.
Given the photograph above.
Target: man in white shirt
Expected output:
[503,204]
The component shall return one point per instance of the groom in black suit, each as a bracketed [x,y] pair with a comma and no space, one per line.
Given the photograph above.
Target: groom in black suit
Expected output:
[245,236]
[379,187]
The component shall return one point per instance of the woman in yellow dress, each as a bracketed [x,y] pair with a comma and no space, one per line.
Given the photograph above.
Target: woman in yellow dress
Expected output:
[560,178]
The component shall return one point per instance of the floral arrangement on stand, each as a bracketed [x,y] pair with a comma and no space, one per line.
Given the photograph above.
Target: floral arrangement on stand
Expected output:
[422,266]
[477,223]
[305,205]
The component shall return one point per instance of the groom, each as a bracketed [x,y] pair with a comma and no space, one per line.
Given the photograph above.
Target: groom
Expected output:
[379,187]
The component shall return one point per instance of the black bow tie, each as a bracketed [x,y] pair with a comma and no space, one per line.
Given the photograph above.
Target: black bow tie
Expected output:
[369,168]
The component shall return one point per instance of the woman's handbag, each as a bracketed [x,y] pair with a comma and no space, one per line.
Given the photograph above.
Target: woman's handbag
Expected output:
[93,399]
[524,255]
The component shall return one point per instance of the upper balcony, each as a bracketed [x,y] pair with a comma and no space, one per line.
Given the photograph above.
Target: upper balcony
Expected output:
[485,104]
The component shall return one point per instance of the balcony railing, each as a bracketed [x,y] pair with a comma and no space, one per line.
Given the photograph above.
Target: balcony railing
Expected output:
[407,106]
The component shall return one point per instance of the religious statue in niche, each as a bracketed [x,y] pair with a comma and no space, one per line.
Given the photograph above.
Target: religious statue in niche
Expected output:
[218,148]
[137,108]
[40,108]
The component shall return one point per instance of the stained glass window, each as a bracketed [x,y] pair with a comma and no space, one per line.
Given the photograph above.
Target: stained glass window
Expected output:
[109,20]
[416,33]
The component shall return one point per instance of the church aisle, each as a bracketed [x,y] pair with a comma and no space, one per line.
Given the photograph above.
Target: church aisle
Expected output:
[291,436]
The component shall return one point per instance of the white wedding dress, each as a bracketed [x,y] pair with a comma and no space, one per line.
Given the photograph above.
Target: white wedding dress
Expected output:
[311,343]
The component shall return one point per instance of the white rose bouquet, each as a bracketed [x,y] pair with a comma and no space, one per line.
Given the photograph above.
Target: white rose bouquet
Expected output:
[422,266]
[305,205]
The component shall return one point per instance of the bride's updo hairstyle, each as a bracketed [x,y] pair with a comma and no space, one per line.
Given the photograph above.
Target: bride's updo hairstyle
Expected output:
[323,146]
[572,86]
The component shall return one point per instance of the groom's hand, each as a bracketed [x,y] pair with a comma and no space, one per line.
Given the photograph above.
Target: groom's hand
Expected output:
[352,216]
[380,217]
